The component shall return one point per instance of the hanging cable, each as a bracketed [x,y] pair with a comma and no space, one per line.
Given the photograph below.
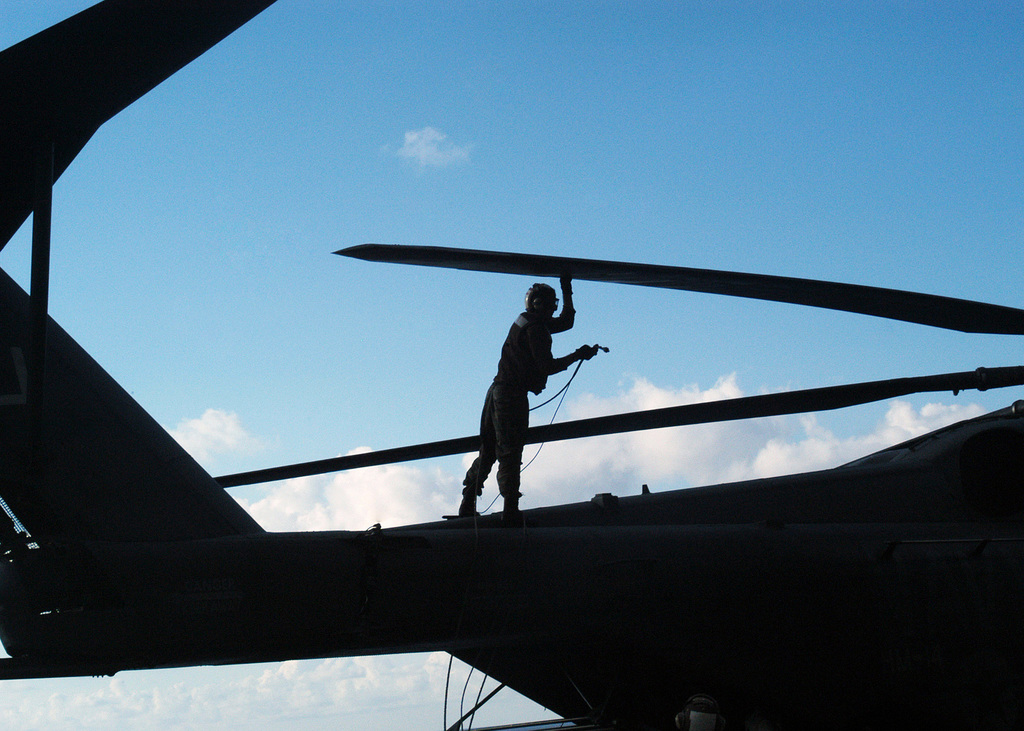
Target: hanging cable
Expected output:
[560,391]
[560,395]
[462,614]
[470,716]
[564,390]
[511,608]
[491,504]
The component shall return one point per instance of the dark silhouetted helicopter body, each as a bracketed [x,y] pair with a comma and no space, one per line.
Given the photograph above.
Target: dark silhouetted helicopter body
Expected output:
[881,594]
[878,591]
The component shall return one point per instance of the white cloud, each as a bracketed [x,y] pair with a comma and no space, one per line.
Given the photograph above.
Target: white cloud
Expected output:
[431,148]
[390,495]
[398,691]
[574,471]
[711,453]
[215,432]
[819,449]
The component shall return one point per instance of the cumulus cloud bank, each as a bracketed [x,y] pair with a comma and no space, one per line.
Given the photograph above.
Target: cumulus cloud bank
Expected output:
[363,692]
[712,453]
[573,471]
[429,147]
[389,495]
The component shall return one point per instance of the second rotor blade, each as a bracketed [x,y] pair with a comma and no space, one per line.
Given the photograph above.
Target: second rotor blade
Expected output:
[750,407]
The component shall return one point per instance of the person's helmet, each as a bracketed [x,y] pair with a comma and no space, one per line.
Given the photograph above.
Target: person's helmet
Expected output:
[541,297]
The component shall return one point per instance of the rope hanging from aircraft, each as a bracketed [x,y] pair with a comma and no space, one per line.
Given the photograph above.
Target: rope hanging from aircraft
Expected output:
[561,392]
[500,626]
[458,629]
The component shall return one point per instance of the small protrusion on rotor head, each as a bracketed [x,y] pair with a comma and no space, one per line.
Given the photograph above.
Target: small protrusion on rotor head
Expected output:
[982,378]
[700,714]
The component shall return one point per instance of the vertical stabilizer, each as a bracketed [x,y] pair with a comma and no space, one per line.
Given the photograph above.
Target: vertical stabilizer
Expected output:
[104,469]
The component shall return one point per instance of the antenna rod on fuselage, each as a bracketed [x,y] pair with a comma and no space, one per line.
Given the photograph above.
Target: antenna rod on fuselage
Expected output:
[39,298]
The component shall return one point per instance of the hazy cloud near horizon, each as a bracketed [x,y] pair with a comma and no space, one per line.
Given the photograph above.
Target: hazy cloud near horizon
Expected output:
[573,471]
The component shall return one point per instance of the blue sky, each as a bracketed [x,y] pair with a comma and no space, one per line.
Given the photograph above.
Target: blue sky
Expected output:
[874,143]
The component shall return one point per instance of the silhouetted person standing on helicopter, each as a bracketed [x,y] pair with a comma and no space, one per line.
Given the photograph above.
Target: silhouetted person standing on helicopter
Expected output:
[525,364]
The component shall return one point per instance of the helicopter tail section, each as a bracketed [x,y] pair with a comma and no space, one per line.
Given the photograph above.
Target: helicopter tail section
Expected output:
[100,468]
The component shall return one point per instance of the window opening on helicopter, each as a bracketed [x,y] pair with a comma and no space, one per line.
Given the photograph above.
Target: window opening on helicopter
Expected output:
[14,380]
[992,472]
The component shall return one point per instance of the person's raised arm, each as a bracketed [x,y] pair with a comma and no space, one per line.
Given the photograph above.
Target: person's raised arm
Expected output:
[567,317]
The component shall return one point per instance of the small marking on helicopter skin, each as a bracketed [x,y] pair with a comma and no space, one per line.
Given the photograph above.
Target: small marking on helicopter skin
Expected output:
[21,372]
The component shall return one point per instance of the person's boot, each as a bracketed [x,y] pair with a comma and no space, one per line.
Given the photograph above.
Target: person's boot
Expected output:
[511,516]
[468,507]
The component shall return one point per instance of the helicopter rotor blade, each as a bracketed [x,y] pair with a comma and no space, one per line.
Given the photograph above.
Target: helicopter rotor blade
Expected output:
[775,404]
[925,309]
